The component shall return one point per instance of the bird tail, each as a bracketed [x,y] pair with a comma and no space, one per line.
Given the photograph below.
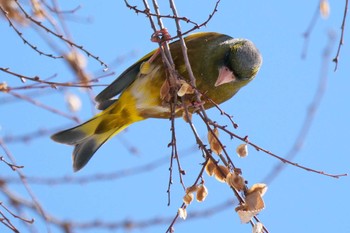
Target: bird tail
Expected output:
[91,135]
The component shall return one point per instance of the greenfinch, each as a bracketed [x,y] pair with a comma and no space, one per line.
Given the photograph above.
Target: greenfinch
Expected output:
[221,66]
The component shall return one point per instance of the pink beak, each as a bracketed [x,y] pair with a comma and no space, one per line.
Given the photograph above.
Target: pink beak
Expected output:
[225,76]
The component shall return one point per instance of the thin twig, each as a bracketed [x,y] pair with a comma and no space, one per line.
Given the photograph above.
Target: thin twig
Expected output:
[215,9]
[222,112]
[130,224]
[208,154]
[341,41]
[37,79]
[54,10]
[61,37]
[305,128]
[7,222]
[16,216]
[183,205]
[121,174]
[176,17]
[137,11]
[43,106]
[174,152]
[21,175]
[169,64]
[12,166]
[308,31]
[229,164]
[283,160]
[25,41]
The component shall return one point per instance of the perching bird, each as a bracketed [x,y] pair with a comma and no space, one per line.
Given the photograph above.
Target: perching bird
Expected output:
[220,64]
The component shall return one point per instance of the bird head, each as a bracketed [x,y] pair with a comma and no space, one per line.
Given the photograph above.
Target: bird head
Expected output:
[241,62]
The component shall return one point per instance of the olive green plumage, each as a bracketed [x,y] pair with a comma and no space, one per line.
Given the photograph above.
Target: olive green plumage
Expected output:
[220,64]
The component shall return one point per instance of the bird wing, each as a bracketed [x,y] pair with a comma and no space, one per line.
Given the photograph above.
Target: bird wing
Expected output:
[104,99]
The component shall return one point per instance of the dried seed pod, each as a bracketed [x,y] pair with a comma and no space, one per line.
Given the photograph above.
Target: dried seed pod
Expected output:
[259,187]
[13,12]
[73,102]
[258,227]
[242,150]
[202,193]
[3,87]
[76,60]
[220,173]
[253,203]
[246,215]
[192,189]
[210,167]
[252,206]
[188,198]
[236,181]
[38,9]
[213,142]
[182,213]
[324,9]
[165,91]
[185,89]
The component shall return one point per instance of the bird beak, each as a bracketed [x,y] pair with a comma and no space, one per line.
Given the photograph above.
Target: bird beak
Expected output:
[225,76]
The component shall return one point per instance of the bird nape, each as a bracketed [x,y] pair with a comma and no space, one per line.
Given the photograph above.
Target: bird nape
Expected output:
[221,65]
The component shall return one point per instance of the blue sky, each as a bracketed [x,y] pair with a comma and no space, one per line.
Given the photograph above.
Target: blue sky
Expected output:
[271,110]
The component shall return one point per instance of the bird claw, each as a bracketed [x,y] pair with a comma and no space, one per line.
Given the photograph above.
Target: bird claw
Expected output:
[160,36]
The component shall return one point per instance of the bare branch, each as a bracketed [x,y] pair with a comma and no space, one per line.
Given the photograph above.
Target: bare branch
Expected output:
[303,133]
[61,37]
[341,41]
[12,166]
[25,41]
[25,185]
[43,106]
[308,31]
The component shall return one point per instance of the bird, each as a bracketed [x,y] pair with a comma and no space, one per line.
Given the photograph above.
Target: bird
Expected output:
[220,64]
